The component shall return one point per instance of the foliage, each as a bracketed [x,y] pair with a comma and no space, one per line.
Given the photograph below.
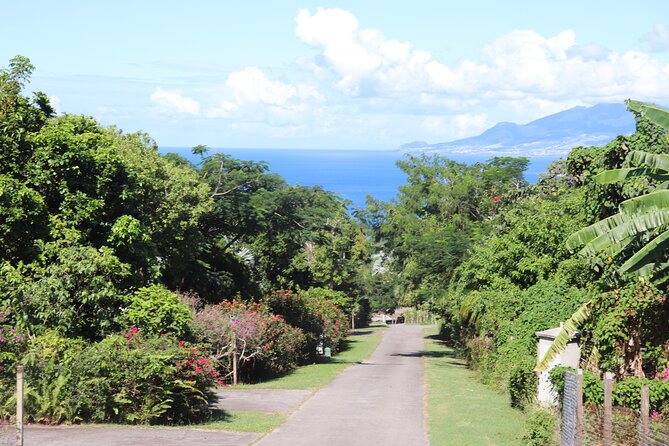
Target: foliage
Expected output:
[593,387]
[70,288]
[157,310]
[540,428]
[23,220]
[320,319]
[141,379]
[264,343]
[626,393]
[131,379]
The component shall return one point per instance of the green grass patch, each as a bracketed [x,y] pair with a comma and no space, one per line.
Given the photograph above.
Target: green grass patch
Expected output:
[222,420]
[460,410]
[243,421]
[357,347]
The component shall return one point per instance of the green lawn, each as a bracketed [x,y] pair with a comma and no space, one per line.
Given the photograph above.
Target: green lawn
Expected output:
[357,347]
[242,421]
[462,411]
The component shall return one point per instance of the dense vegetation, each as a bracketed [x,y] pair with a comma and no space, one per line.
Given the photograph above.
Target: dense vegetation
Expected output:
[130,280]
[499,259]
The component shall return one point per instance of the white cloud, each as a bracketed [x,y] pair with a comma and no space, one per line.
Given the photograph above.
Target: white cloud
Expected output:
[458,126]
[658,38]
[174,102]
[519,66]
[249,95]
[362,84]
[55,103]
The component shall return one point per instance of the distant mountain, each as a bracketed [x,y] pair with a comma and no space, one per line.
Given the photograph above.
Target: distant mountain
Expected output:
[551,135]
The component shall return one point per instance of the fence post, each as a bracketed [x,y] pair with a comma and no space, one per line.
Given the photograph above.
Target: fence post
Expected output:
[580,415]
[19,406]
[643,419]
[234,360]
[607,436]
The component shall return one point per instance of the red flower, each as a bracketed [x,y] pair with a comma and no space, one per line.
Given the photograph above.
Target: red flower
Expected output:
[133,331]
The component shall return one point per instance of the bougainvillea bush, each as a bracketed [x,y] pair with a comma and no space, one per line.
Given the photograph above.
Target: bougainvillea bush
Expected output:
[265,344]
[317,316]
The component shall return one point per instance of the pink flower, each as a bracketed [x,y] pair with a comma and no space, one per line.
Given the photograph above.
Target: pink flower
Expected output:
[133,331]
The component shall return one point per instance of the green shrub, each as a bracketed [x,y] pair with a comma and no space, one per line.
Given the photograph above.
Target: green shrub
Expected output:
[593,388]
[627,393]
[135,378]
[539,429]
[156,310]
[144,380]
[522,383]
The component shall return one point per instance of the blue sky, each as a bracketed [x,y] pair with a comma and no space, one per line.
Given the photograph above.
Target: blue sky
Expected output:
[347,74]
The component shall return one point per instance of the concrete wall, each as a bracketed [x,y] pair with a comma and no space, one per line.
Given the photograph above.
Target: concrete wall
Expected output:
[568,358]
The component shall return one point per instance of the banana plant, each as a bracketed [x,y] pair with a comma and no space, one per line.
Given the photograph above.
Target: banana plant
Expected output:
[643,218]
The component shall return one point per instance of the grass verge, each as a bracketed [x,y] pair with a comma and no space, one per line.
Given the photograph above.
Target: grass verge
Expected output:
[357,347]
[460,410]
[243,421]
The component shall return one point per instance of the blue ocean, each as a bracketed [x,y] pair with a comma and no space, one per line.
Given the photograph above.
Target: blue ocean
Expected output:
[352,174]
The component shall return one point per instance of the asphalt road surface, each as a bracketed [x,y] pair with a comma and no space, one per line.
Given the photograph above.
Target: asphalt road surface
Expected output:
[377,402]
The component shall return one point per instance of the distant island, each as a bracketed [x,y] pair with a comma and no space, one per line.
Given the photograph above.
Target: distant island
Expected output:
[553,135]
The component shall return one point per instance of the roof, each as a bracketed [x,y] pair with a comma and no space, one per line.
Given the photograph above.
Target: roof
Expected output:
[552,333]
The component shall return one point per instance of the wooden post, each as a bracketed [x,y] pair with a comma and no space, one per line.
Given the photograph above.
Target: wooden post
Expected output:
[19,406]
[644,428]
[352,320]
[234,360]
[607,437]
[580,414]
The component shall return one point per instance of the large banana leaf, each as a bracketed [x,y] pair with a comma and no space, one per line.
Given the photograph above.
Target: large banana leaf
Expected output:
[605,245]
[587,234]
[570,327]
[655,114]
[641,263]
[616,175]
[651,202]
[646,215]
[651,160]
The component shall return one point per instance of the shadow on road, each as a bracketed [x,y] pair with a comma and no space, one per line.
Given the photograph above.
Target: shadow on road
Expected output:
[422,354]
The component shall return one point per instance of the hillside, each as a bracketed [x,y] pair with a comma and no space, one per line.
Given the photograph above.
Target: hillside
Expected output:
[551,135]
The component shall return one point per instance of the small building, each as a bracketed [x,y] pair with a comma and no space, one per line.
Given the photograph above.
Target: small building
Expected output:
[569,357]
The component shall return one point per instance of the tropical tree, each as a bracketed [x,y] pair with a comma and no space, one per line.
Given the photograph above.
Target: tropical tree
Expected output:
[635,238]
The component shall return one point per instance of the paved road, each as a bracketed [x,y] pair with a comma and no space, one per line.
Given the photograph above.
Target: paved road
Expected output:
[377,402]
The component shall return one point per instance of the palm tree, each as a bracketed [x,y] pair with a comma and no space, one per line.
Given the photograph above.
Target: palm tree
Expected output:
[641,221]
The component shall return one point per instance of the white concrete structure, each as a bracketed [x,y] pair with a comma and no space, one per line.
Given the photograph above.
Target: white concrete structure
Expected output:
[569,357]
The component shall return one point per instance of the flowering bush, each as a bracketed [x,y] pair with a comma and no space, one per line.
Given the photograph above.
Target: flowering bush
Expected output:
[197,367]
[133,377]
[12,344]
[663,375]
[264,343]
[316,315]
[142,378]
